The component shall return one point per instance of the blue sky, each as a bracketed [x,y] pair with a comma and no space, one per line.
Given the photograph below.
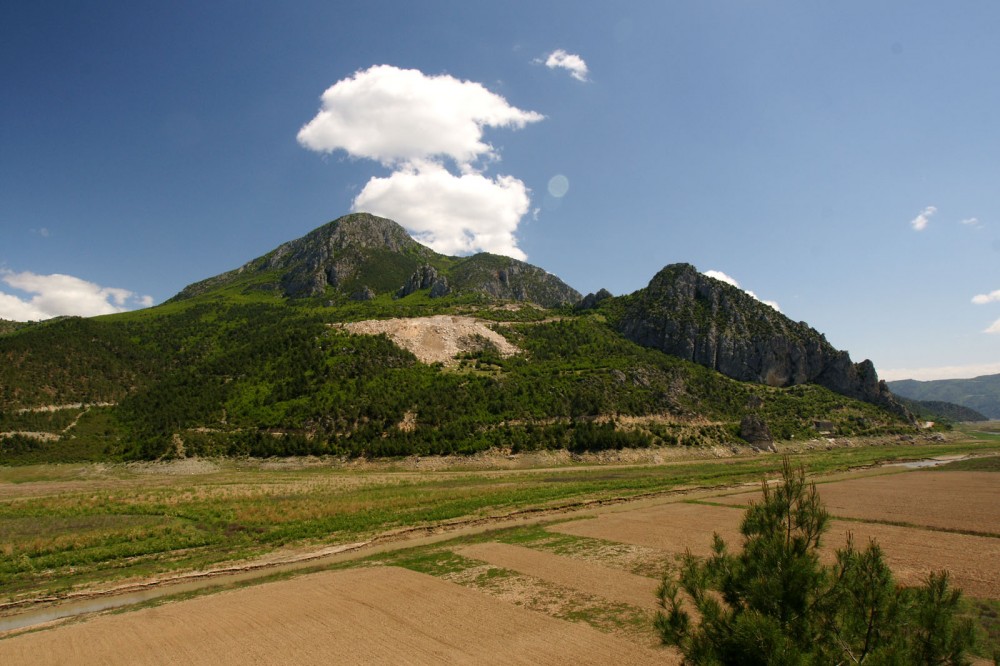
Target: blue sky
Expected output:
[841,160]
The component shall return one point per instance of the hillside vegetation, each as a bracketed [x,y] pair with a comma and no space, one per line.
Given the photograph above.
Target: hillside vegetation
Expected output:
[256,362]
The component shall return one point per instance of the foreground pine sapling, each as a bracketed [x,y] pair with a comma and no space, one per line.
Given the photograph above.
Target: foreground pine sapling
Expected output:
[775,603]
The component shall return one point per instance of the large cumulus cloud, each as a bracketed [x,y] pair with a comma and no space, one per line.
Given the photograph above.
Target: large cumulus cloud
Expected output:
[419,126]
[53,295]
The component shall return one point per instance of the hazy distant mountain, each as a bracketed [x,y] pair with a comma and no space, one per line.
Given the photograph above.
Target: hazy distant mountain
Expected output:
[980,393]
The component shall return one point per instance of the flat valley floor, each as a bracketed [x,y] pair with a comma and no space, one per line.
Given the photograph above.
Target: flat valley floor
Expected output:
[578,591]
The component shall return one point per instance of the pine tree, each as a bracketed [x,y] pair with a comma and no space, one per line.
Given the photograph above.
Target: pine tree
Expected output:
[775,603]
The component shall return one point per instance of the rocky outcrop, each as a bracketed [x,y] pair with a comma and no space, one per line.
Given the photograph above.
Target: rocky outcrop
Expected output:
[591,301]
[363,294]
[362,251]
[503,278]
[755,432]
[425,277]
[690,315]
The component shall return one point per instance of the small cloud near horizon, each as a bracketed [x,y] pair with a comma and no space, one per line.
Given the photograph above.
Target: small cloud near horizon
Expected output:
[920,222]
[942,372]
[722,277]
[571,62]
[415,124]
[58,295]
[983,299]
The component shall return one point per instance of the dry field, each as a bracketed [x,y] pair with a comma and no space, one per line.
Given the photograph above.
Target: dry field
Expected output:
[382,615]
[578,591]
[950,521]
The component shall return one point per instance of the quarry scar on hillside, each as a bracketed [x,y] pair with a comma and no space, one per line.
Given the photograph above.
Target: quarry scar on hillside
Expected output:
[437,339]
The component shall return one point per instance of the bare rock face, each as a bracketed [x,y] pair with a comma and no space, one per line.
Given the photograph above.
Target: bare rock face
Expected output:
[690,315]
[362,251]
[754,431]
[363,294]
[425,277]
[591,301]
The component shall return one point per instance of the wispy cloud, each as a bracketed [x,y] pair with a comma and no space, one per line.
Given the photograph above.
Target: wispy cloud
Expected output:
[940,372]
[984,299]
[719,275]
[972,222]
[415,125]
[920,222]
[571,62]
[54,295]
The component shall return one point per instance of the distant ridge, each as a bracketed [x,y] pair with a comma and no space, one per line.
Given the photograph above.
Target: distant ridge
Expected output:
[936,410]
[979,393]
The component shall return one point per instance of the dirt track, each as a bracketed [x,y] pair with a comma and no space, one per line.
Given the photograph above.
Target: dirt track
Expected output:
[378,615]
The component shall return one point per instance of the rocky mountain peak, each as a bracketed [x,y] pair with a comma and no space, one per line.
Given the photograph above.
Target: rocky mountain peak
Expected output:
[363,255]
[690,315]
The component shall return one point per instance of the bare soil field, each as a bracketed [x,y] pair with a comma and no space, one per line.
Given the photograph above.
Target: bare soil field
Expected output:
[382,615]
[911,552]
[618,586]
[966,501]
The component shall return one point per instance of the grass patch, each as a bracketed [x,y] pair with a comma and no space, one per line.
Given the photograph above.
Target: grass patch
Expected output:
[984,464]
[986,613]
[93,524]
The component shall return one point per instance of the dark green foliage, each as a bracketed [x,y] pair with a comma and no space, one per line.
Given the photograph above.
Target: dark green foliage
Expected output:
[942,412]
[229,375]
[775,603]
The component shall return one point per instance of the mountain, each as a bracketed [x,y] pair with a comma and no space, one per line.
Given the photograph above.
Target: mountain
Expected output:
[980,393]
[937,410]
[284,356]
[361,256]
[695,317]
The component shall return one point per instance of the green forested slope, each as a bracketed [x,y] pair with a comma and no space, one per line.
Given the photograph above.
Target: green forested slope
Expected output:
[224,376]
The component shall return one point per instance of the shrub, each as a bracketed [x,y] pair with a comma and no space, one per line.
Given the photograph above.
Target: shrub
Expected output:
[775,603]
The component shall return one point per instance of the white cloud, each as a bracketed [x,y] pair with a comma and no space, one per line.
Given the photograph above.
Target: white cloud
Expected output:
[983,299]
[413,123]
[942,372]
[396,116]
[719,275]
[993,328]
[571,62]
[972,222]
[920,222]
[55,295]
[451,214]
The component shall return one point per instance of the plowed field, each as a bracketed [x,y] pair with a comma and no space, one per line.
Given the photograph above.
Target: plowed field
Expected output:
[912,552]
[613,585]
[379,615]
[967,501]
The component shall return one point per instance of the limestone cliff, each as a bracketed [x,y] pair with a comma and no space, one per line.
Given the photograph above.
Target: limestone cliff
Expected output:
[690,315]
